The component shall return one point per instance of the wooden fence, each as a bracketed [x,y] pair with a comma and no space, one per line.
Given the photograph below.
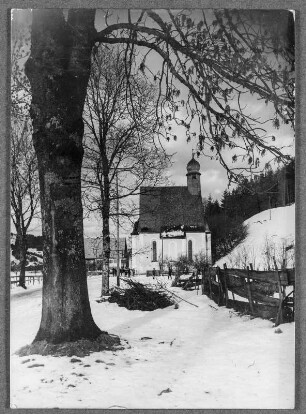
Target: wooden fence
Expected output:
[269,294]
[29,279]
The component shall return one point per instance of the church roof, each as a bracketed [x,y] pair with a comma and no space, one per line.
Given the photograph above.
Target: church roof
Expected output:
[164,208]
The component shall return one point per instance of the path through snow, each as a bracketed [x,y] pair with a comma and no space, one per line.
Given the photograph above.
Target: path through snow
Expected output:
[192,357]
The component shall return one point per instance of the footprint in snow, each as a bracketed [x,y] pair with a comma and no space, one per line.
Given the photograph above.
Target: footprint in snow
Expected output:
[145,338]
[73,360]
[36,365]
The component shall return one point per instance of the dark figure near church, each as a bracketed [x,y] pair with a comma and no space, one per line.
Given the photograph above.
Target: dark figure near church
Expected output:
[170,272]
[153,273]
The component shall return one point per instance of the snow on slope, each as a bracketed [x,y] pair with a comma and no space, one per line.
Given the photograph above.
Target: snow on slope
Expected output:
[192,357]
[270,233]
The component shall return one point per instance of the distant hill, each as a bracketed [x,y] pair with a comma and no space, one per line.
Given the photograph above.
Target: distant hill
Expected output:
[34,242]
[35,247]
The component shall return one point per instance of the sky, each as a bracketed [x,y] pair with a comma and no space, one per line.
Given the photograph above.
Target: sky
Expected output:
[213,176]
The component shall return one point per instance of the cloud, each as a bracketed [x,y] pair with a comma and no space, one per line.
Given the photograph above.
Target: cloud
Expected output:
[214,182]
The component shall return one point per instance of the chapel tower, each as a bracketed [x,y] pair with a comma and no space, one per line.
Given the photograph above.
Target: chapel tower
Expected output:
[193,177]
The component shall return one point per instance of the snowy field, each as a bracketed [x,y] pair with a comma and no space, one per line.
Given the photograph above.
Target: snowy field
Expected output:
[190,357]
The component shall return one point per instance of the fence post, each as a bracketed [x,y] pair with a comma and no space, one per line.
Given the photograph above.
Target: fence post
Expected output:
[251,267]
[279,316]
[220,298]
[203,280]
[225,284]
[250,291]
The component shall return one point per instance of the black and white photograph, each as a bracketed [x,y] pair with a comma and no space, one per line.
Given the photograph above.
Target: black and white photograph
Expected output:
[152,208]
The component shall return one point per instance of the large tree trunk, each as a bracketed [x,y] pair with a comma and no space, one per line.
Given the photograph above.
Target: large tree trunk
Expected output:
[58,70]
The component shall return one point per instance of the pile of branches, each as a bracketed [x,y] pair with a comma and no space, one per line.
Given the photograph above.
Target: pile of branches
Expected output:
[137,296]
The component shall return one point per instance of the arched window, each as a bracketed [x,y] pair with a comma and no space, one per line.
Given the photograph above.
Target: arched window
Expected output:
[189,249]
[154,252]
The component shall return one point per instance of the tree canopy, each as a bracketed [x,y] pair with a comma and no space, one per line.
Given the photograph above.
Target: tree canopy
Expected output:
[212,64]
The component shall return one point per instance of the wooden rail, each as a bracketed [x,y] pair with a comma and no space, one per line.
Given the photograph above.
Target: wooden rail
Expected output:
[29,279]
[260,288]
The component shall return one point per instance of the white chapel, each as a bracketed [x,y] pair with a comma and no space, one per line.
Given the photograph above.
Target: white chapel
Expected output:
[171,224]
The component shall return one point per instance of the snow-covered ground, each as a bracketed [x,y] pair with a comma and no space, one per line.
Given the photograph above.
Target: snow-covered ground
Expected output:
[190,357]
[270,233]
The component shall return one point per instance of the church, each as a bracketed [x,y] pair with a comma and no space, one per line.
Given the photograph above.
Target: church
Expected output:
[171,224]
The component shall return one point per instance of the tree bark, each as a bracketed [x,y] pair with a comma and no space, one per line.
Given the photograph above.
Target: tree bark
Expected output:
[106,252]
[105,211]
[23,262]
[58,70]
[21,248]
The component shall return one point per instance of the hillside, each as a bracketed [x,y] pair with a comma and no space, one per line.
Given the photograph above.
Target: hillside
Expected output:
[270,234]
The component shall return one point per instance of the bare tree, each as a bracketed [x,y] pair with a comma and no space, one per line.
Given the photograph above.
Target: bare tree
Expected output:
[24,172]
[24,188]
[121,152]
[214,59]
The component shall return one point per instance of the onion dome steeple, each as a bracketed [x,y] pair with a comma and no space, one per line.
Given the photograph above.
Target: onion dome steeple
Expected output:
[193,176]
[193,165]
